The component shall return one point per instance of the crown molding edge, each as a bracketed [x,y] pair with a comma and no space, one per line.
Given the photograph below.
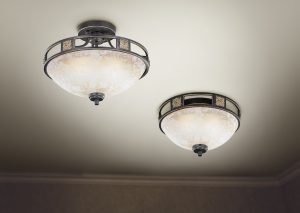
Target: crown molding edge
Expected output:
[138,180]
[283,178]
[289,174]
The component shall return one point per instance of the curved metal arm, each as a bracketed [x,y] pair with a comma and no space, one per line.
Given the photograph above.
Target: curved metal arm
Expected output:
[110,44]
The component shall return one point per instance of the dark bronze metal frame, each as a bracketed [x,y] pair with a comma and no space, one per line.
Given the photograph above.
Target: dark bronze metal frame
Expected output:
[96,43]
[195,101]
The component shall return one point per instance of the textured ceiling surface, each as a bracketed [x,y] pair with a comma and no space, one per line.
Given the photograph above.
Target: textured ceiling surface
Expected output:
[247,50]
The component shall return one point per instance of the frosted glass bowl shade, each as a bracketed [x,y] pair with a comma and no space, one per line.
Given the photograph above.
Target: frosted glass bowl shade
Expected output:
[199,125]
[103,71]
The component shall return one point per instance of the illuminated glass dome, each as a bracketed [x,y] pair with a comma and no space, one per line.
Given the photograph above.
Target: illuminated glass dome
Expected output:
[96,63]
[199,121]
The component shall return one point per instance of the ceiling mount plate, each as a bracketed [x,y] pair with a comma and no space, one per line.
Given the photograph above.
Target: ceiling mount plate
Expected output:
[96,28]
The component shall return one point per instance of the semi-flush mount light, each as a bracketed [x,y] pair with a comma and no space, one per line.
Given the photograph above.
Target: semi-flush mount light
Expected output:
[199,121]
[96,63]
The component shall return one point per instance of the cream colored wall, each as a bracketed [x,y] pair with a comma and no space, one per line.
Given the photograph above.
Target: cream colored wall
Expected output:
[92,198]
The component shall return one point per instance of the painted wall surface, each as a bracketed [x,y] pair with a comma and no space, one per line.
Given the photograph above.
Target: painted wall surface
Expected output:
[291,192]
[92,198]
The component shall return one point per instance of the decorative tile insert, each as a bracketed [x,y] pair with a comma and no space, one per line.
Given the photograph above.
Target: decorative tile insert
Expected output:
[176,102]
[166,108]
[220,101]
[67,45]
[232,107]
[124,44]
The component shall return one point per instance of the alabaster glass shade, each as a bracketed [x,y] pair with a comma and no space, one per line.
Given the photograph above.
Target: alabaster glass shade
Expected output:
[199,125]
[101,71]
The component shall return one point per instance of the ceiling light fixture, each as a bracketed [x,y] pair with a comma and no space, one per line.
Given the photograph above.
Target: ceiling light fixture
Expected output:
[199,121]
[96,63]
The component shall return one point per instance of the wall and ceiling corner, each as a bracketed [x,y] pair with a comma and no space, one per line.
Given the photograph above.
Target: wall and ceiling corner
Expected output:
[81,193]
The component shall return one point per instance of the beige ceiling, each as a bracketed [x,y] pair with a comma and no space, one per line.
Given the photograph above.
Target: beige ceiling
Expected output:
[247,50]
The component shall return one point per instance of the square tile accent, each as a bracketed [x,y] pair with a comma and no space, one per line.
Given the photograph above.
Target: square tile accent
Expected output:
[124,44]
[67,45]
[232,107]
[220,101]
[166,108]
[176,102]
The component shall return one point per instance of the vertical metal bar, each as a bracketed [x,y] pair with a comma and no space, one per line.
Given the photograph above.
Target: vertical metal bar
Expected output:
[61,46]
[118,43]
[214,97]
